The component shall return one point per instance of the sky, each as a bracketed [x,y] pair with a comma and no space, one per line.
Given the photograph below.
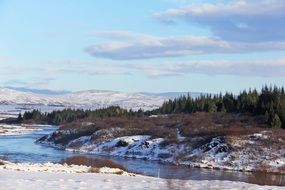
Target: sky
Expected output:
[142,45]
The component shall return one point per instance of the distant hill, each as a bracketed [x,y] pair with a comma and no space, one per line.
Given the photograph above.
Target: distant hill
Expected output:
[89,99]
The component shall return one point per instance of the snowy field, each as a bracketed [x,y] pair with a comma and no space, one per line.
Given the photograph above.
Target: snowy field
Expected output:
[11,178]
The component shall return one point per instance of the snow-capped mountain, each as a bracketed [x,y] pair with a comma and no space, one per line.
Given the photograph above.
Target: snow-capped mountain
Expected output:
[10,96]
[91,99]
[97,99]
[13,101]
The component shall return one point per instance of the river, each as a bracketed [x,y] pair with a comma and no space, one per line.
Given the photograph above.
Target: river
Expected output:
[22,148]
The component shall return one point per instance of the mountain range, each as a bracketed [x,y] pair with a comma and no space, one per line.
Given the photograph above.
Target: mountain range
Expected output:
[89,99]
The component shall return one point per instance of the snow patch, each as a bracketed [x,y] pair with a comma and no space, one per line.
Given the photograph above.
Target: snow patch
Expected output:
[24,179]
[58,168]
[139,146]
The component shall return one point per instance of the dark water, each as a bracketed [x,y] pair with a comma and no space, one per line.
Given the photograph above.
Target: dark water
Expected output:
[24,149]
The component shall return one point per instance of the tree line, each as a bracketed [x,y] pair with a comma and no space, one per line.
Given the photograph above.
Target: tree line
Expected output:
[69,115]
[269,102]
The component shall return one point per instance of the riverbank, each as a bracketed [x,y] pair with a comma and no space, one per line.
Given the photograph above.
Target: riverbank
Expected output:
[20,147]
[65,179]
[236,142]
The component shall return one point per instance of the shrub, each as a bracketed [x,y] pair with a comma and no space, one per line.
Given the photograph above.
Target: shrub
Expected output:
[92,162]
[276,122]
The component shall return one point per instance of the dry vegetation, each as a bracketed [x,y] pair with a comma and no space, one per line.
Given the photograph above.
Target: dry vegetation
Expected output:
[125,126]
[206,125]
[2,158]
[220,124]
[94,163]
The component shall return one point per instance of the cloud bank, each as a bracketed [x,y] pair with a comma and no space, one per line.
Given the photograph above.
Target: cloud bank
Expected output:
[264,68]
[240,20]
[241,26]
[126,46]
[271,68]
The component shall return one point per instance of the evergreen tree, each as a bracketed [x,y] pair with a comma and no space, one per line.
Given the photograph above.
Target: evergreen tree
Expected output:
[20,118]
[270,101]
[276,122]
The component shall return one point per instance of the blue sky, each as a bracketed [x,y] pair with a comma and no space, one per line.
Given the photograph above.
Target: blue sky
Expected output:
[142,45]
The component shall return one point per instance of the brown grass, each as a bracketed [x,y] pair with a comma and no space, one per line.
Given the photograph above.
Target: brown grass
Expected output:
[156,128]
[200,124]
[94,163]
[221,124]
[2,158]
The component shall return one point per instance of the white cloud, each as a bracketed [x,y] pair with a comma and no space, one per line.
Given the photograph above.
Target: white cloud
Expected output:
[239,26]
[240,20]
[261,68]
[127,46]
[274,67]
[65,67]
[150,68]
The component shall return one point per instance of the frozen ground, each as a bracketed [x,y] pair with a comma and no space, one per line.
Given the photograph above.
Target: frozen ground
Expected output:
[55,176]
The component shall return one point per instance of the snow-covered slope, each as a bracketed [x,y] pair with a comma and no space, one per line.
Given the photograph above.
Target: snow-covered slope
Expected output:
[10,96]
[96,99]
[91,99]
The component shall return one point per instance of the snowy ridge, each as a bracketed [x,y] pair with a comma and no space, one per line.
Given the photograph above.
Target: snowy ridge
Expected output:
[91,99]
[9,96]
[98,99]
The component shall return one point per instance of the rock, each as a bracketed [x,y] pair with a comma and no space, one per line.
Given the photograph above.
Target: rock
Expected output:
[121,143]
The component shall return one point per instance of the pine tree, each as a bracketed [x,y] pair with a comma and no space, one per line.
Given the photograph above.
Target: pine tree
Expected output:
[20,118]
[276,122]
[212,107]
[267,117]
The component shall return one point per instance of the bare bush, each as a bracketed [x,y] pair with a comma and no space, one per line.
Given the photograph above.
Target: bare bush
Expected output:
[92,162]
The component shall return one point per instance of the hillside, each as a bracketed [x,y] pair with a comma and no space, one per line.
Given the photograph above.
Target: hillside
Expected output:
[91,99]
